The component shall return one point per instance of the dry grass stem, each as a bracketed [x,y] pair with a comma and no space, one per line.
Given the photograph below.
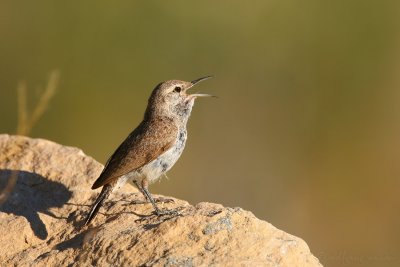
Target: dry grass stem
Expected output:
[44,99]
[26,124]
[22,112]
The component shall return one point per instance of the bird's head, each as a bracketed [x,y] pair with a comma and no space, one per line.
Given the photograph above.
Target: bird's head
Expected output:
[171,99]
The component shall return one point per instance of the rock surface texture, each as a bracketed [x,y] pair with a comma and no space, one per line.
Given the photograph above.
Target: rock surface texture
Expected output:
[41,220]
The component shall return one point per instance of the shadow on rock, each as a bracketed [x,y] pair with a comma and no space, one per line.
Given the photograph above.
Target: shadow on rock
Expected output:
[32,194]
[74,242]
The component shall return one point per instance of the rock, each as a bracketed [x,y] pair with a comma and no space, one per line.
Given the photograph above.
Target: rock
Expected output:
[41,220]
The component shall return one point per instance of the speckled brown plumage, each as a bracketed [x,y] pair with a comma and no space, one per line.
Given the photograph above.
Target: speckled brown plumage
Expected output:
[148,141]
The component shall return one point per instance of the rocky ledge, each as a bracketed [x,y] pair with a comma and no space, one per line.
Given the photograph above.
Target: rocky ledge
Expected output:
[45,194]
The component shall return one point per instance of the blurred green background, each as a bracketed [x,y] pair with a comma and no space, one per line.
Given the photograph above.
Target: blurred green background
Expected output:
[306,130]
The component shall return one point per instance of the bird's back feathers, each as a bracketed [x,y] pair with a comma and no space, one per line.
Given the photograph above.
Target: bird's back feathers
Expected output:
[146,143]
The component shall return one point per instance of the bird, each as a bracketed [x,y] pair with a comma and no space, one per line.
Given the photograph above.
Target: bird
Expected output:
[153,147]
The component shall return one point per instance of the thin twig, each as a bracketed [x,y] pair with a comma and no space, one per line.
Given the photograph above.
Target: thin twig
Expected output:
[22,112]
[44,100]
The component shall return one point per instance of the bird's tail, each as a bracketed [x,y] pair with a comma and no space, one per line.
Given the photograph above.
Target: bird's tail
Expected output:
[105,192]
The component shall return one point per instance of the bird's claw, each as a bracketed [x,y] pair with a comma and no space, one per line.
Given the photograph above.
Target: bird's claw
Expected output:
[167,212]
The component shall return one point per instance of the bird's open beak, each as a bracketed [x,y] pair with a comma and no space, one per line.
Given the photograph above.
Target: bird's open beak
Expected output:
[197,81]
[200,79]
[201,95]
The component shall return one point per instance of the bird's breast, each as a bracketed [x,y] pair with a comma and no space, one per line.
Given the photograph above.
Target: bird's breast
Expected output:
[154,169]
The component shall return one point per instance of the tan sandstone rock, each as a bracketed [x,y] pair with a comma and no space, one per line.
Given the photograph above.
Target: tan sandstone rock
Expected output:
[41,220]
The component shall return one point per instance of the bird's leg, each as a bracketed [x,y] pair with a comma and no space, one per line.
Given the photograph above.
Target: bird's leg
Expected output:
[139,187]
[146,193]
[160,199]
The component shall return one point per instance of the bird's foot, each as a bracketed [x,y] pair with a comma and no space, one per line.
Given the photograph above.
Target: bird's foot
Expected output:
[174,212]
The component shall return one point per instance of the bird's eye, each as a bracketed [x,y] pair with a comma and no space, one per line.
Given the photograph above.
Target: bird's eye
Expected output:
[177,89]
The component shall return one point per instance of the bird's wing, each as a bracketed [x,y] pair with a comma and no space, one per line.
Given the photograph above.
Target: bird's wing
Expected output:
[146,143]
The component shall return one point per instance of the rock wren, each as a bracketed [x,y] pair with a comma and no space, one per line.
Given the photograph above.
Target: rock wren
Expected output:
[153,147]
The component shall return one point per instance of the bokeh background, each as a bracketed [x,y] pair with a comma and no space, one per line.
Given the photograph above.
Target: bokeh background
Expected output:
[305,132]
